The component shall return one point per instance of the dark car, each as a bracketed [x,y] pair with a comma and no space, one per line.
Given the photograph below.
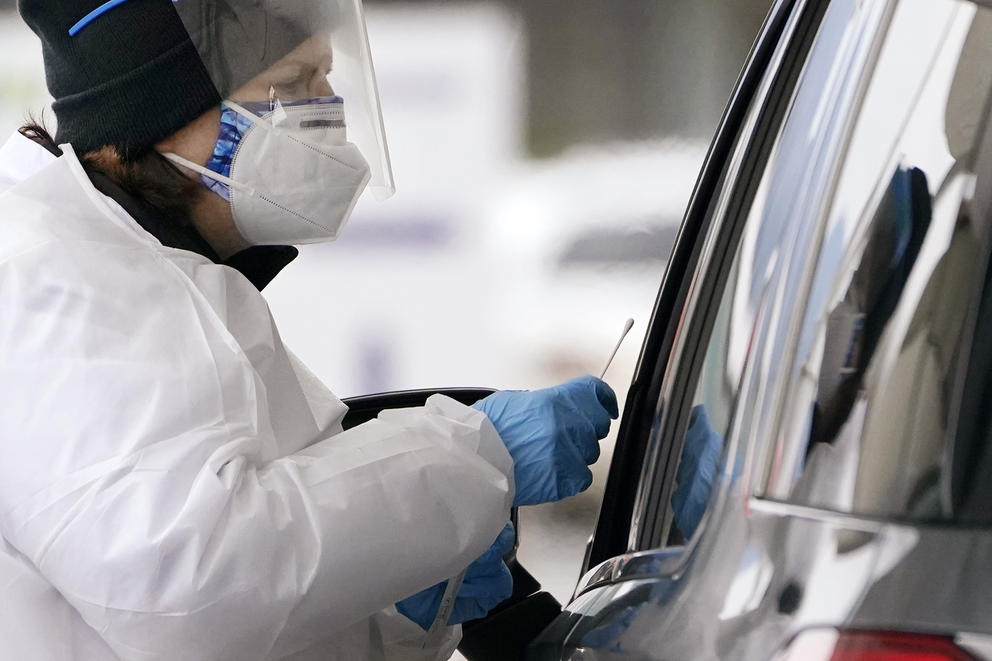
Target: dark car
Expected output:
[815,387]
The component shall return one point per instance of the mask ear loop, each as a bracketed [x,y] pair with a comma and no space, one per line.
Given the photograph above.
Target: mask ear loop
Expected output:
[279,113]
[216,176]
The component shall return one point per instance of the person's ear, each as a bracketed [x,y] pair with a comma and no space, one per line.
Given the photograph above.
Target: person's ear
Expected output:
[196,140]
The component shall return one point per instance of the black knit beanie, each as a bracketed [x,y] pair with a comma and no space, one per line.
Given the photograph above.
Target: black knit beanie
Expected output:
[129,78]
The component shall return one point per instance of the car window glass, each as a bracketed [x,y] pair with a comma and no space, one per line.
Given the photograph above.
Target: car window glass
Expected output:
[869,415]
[703,445]
[747,248]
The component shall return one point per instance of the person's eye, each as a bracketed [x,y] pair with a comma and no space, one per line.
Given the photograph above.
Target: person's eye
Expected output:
[287,90]
[300,86]
[291,90]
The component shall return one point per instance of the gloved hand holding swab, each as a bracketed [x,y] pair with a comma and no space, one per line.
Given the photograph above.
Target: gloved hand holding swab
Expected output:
[626,329]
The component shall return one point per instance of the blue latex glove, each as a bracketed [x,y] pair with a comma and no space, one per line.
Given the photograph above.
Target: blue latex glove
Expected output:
[553,435]
[487,583]
[697,471]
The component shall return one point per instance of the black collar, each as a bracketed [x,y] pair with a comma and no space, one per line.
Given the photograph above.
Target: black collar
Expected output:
[260,264]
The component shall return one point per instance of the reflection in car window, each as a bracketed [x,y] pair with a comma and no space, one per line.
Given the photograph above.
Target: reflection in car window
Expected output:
[716,338]
[869,424]
[854,325]
[722,394]
[709,419]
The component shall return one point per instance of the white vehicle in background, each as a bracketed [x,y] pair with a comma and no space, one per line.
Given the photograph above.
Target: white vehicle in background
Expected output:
[582,241]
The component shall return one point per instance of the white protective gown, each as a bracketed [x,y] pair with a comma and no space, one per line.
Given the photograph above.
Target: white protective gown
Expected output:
[175,485]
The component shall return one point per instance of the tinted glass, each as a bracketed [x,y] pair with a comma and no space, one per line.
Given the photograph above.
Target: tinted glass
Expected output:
[704,402]
[703,446]
[870,419]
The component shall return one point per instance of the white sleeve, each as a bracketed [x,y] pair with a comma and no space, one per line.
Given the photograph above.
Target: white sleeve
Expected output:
[400,510]
[141,478]
[385,636]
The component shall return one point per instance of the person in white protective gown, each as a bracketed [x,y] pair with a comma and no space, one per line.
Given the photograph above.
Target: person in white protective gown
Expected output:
[175,485]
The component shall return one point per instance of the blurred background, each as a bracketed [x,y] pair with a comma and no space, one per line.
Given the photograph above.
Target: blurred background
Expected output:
[544,153]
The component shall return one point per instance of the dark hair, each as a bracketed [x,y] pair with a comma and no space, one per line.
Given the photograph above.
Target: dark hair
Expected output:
[147,175]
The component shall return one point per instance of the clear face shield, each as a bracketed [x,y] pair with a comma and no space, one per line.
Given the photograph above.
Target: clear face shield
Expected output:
[301,128]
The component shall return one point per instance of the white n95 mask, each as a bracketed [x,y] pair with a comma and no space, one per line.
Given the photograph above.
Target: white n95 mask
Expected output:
[288,171]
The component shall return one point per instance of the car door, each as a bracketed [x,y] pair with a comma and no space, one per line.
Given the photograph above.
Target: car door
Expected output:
[827,145]
[737,151]
[725,282]
[688,318]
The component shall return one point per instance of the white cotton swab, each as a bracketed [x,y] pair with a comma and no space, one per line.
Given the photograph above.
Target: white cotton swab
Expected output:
[438,626]
[626,329]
